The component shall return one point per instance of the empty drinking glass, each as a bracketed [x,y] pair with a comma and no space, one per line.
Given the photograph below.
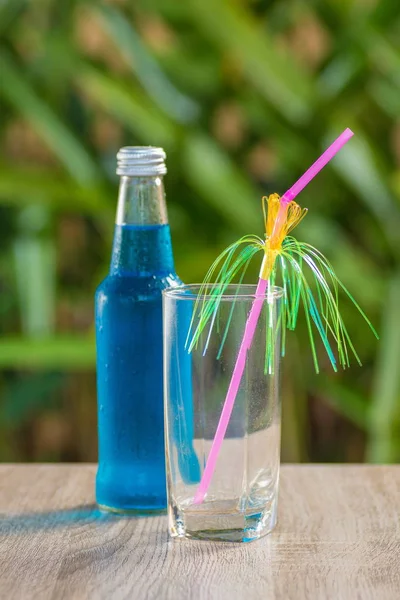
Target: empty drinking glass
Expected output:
[241,500]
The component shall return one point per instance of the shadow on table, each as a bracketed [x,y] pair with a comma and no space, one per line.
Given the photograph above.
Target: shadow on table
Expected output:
[91,514]
[78,515]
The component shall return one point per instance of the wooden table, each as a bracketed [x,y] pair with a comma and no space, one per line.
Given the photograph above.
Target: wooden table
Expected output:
[338,537]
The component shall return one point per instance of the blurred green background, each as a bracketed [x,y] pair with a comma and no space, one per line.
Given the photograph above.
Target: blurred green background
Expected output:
[243,95]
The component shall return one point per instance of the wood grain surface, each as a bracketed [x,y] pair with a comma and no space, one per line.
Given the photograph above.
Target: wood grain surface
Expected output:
[338,537]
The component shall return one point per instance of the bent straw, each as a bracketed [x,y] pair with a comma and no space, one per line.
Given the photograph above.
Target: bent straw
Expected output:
[254,315]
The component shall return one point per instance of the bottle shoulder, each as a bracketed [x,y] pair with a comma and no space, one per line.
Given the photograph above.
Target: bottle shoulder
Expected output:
[136,284]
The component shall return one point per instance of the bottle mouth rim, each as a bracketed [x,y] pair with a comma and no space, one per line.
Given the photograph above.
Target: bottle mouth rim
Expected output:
[141,161]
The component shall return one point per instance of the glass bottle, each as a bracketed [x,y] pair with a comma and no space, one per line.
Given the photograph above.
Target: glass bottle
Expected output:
[131,472]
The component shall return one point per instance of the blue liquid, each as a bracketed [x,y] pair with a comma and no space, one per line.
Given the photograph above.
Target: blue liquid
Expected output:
[131,473]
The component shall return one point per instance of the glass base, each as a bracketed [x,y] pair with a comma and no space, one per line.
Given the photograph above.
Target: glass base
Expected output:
[222,521]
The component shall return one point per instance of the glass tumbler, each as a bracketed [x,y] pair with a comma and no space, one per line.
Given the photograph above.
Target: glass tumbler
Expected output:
[241,501]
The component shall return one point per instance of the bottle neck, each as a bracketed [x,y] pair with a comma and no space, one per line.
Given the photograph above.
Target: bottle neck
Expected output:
[142,240]
[141,201]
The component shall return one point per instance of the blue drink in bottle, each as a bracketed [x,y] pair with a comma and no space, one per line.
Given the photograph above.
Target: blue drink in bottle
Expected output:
[128,306]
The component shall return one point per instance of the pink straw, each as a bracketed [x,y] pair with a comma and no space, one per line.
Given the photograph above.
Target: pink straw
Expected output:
[252,320]
[317,166]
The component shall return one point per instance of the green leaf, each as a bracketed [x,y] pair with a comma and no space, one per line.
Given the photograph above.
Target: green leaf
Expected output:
[216,178]
[340,72]
[61,352]
[357,165]
[386,95]
[233,29]
[384,417]
[160,89]
[9,11]
[25,186]
[35,271]
[344,400]
[396,183]
[28,395]
[384,56]
[128,106]
[19,92]
[295,421]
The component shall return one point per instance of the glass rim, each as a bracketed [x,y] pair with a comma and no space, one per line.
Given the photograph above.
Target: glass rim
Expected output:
[180,292]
